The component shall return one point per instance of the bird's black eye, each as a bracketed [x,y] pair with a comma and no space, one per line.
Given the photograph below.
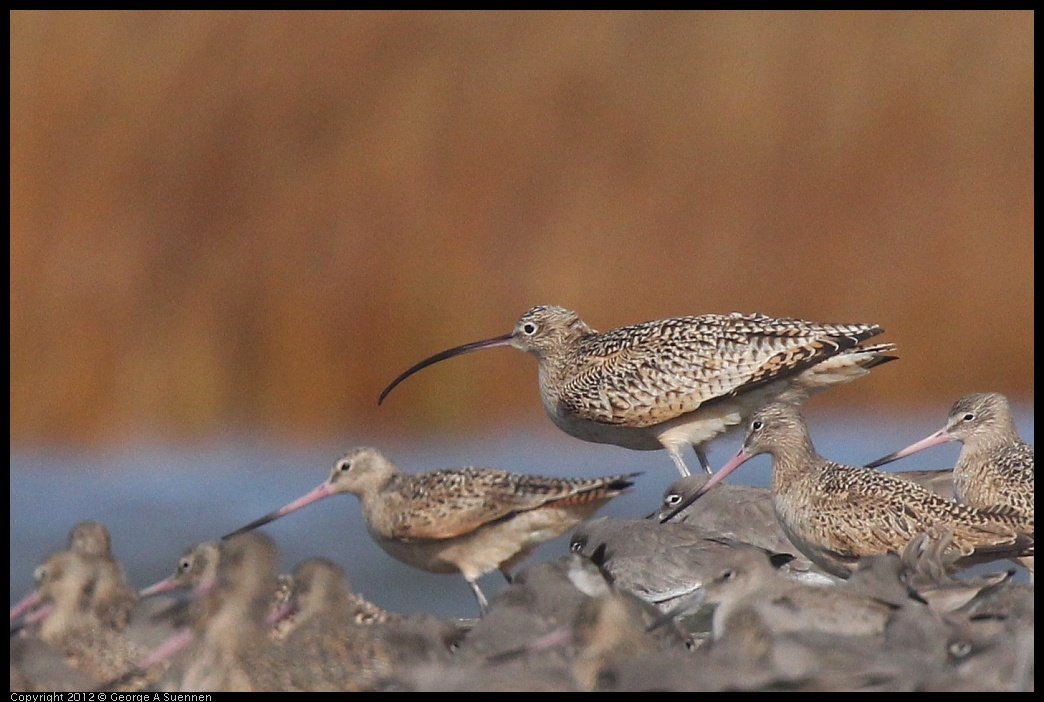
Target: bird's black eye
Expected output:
[728,575]
[529,328]
[576,546]
[968,417]
[757,425]
[960,649]
[185,564]
[672,499]
[40,574]
[344,466]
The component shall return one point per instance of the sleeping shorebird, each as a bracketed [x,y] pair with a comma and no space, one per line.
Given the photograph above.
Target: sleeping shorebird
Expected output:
[677,382]
[466,520]
[835,513]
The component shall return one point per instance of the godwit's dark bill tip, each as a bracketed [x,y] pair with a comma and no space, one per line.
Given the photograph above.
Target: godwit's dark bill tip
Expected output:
[251,526]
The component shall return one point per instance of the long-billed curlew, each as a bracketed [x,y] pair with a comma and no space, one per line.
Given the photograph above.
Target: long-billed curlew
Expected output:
[466,520]
[677,382]
[835,513]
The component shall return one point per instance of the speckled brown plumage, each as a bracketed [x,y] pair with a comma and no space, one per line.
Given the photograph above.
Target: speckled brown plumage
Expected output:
[71,621]
[995,467]
[676,382]
[835,513]
[467,520]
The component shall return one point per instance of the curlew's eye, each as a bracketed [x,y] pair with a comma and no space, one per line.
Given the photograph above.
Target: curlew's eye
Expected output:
[757,425]
[344,466]
[576,546]
[184,564]
[968,417]
[728,575]
[672,499]
[529,328]
[40,574]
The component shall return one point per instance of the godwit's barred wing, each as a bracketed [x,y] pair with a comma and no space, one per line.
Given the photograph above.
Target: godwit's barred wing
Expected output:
[443,504]
[643,374]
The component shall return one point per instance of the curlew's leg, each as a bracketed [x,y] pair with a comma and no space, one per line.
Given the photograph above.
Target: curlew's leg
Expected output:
[679,462]
[482,602]
[702,455]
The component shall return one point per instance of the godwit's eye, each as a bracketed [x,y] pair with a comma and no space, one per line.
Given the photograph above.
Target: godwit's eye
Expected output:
[184,564]
[968,417]
[344,466]
[40,573]
[728,575]
[757,425]
[576,546]
[672,499]
[529,328]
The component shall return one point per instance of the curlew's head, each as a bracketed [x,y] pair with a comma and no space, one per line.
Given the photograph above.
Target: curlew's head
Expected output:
[540,331]
[359,472]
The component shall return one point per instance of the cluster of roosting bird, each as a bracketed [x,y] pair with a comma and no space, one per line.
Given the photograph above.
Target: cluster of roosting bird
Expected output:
[838,577]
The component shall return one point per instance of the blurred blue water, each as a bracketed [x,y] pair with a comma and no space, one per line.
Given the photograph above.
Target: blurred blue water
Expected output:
[159,499]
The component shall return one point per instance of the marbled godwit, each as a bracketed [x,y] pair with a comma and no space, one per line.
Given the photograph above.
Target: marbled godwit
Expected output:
[835,513]
[69,618]
[112,598]
[328,646]
[677,382]
[230,631]
[466,520]
[196,564]
[995,466]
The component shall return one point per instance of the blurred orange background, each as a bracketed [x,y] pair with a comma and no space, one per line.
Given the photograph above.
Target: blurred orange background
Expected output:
[255,220]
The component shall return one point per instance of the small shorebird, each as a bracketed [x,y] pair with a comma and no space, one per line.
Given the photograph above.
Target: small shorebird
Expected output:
[79,626]
[466,520]
[660,563]
[995,467]
[230,629]
[197,563]
[677,382]
[111,596]
[835,513]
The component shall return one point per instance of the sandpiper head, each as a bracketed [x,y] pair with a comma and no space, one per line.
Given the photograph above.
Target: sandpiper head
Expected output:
[196,564]
[360,471]
[769,429]
[539,331]
[320,585]
[357,472]
[979,414]
[90,538]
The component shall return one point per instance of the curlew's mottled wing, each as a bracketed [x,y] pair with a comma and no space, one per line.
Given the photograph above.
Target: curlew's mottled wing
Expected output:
[644,374]
[449,503]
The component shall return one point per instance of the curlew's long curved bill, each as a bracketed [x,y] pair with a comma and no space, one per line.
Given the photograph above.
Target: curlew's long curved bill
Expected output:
[25,604]
[503,340]
[318,493]
[939,437]
[735,462]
